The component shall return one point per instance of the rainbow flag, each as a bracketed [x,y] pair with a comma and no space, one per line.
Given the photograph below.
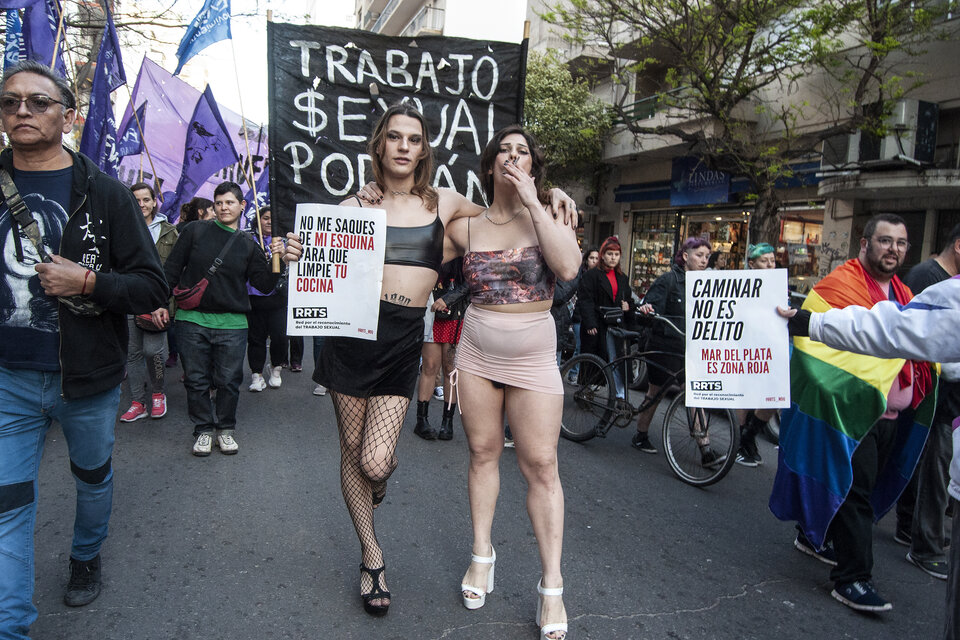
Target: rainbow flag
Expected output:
[837,396]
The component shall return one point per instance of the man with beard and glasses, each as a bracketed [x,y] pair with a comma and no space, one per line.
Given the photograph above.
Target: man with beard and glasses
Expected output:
[856,425]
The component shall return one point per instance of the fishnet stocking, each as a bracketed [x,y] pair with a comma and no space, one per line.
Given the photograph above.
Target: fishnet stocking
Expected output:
[369,429]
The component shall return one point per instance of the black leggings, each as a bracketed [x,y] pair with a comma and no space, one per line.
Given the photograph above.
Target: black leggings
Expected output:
[267,317]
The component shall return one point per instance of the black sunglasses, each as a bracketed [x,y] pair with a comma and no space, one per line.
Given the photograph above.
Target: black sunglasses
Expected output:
[10,105]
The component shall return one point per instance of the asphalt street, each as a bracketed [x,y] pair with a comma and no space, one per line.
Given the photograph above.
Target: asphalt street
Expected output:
[259,545]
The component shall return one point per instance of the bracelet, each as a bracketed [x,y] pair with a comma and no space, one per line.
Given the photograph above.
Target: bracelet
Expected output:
[83,289]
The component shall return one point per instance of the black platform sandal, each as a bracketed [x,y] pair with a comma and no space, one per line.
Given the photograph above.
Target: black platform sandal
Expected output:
[376,593]
[378,493]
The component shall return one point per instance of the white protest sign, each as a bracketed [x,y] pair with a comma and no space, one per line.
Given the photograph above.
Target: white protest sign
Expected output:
[737,353]
[334,289]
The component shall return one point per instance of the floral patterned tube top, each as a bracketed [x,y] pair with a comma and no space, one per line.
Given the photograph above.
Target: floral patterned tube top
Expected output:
[508,276]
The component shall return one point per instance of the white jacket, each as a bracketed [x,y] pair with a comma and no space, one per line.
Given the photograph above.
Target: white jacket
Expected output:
[928,328]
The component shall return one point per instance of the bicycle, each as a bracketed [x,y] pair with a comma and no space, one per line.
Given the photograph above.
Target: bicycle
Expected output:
[591,407]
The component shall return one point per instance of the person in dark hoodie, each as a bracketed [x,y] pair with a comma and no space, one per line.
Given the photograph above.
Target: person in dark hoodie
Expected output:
[63,328]
[213,334]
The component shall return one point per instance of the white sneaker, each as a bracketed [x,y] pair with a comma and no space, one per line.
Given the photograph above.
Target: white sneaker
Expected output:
[227,444]
[319,390]
[203,445]
[257,383]
[275,380]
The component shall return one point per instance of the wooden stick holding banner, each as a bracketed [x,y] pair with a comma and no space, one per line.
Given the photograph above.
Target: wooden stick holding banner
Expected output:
[143,140]
[56,42]
[248,167]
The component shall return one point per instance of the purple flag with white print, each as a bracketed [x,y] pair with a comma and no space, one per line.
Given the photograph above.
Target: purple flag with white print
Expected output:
[99,139]
[13,51]
[41,20]
[129,140]
[262,199]
[208,148]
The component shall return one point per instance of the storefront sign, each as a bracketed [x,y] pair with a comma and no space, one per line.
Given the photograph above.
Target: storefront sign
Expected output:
[692,183]
[736,345]
[334,289]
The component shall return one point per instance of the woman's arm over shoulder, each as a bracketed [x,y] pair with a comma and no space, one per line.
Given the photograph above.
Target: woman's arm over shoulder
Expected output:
[454,239]
[352,201]
[558,243]
[454,206]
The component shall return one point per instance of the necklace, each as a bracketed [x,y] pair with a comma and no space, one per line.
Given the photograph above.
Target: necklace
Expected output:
[400,193]
[486,214]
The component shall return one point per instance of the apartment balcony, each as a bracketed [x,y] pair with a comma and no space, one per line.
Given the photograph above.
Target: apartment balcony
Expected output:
[427,22]
[651,112]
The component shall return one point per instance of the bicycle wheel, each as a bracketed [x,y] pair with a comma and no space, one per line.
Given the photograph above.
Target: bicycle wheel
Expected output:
[588,398]
[638,370]
[700,444]
[771,430]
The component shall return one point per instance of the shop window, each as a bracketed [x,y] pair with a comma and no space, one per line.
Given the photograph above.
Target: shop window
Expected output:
[653,243]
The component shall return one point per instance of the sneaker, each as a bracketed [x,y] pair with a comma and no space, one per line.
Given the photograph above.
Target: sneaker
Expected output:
[825,555]
[710,459]
[933,568]
[438,393]
[257,383]
[159,408]
[84,585]
[642,442]
[203,445]
[860,595]
[508,437]
[136,411]
[903,537]
[275,380]
[226,444]
[172,361]
[296,367]
[319,390]
[744,458]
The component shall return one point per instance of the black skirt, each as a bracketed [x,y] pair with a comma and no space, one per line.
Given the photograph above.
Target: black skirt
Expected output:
[387,366]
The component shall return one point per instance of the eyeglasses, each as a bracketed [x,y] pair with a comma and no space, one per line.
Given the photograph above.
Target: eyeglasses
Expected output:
[10,105]
[886,242]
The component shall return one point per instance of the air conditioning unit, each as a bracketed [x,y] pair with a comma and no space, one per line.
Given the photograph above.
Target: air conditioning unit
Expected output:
[911,138]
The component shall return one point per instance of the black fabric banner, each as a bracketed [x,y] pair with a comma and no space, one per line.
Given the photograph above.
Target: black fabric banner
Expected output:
[328,86]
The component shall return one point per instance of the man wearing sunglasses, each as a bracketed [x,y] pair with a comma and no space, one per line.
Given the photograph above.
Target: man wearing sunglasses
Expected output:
[61,360]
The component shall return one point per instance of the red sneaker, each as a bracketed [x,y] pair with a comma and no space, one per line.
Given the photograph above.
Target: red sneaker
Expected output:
[159,408]
[135,412]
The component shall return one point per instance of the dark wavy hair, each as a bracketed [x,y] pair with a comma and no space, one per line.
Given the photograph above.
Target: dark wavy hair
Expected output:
[688,245]
[191,210]
[424,169]
[489,157]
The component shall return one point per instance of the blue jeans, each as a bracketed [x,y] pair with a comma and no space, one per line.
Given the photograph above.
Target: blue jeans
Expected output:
[29,401]
[211,358]
[618,370]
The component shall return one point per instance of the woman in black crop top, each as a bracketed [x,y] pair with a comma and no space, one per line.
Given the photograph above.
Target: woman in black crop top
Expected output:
[371,382]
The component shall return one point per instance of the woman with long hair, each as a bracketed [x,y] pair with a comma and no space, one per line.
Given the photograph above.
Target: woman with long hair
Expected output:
[667,297]
[506,361]
[371,382]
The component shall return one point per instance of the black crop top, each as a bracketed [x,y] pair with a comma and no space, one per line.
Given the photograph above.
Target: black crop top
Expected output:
[415,246]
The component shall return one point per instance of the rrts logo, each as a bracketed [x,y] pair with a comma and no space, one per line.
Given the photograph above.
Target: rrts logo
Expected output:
[310,312]
[706,385]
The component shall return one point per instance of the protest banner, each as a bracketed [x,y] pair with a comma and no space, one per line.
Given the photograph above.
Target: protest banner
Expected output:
[334,289]
[737,353]
[328,86]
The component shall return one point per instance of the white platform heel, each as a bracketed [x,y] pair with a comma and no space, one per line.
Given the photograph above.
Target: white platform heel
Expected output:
[476,603]
[546,629]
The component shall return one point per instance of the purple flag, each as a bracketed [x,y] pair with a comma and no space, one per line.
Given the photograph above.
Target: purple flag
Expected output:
[14,50]
[211,25]
[129,140]
[40,21]
[208,148]
[262,198]
[99,140]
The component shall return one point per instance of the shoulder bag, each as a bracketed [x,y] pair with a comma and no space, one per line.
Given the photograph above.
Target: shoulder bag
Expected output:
[190,297]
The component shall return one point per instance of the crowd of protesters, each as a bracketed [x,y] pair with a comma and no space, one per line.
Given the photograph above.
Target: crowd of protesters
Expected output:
[128,293]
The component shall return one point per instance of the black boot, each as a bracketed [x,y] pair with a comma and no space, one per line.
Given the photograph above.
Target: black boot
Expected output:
[423,428]
[446,425]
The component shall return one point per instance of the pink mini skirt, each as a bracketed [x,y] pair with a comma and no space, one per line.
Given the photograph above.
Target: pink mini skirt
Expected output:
[515,349]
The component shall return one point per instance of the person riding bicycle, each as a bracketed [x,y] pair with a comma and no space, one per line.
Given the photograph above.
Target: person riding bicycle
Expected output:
[666,297]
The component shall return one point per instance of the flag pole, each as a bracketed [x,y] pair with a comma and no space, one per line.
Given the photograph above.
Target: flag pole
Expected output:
[248,169]
[143,139]
[56,42]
